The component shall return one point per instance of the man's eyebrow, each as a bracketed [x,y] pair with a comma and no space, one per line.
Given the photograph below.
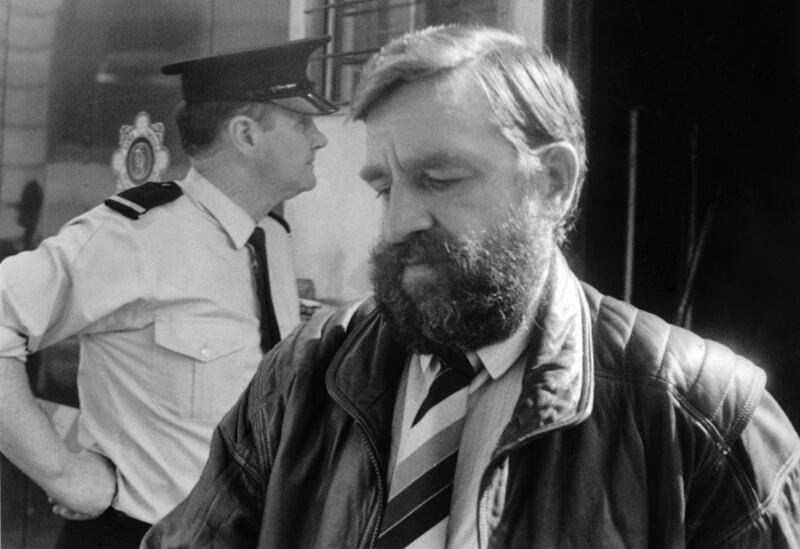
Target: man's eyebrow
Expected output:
[428,161]
[438,159]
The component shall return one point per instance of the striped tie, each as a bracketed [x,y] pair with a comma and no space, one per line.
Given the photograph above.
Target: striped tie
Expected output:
[422,484]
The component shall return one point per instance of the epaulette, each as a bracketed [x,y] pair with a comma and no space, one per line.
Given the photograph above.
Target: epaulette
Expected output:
[282,221]
[138,200]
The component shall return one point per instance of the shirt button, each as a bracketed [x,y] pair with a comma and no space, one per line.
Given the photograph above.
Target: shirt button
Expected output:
[205,353]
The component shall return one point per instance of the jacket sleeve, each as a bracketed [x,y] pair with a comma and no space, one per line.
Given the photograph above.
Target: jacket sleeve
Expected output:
[768,458]
[748,494]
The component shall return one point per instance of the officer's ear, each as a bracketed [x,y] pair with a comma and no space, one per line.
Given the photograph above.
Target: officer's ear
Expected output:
[241,131]
[558,179]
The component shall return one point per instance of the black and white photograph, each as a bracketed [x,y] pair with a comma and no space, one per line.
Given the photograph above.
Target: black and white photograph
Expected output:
[399,274]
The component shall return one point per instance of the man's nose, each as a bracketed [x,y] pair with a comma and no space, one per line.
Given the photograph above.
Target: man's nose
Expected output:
[408,212]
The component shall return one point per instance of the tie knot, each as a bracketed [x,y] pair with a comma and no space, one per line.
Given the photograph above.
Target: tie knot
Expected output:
[257,239]
[458,362]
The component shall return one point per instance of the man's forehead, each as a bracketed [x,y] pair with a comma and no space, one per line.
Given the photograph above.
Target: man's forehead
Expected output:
[425,150]
[454,94]
[427,124]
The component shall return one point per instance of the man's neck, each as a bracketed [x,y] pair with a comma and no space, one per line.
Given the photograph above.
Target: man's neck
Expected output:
[238,184]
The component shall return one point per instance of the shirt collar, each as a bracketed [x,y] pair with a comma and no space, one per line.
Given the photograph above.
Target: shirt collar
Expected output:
[496,358]
[233,219]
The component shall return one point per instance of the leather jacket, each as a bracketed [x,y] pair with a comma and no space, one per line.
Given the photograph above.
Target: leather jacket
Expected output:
[652,437]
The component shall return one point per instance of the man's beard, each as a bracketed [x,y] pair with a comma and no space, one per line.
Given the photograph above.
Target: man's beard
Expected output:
[481,288]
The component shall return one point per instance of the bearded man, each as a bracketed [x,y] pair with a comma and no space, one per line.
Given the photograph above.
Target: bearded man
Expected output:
[485,397]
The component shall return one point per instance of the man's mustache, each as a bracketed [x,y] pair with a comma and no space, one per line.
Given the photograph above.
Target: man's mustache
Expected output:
[432,246]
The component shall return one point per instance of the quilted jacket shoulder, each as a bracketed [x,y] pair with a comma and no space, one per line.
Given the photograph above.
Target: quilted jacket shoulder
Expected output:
[714,383]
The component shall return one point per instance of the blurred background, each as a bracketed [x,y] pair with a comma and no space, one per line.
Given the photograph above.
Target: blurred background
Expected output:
[692,108]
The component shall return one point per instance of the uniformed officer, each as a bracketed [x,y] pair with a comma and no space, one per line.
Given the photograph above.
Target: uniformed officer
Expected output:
[166,286]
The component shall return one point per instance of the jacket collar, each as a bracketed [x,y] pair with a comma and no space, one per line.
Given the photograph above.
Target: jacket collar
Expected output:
[557,383]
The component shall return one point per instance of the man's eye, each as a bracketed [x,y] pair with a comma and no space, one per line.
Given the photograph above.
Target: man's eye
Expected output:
[384,192]
[439,183]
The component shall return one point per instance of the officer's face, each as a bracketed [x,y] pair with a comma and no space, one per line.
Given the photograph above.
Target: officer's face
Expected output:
[286,158]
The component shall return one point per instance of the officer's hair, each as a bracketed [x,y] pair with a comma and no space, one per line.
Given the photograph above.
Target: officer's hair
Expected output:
[199,123]
[532,99]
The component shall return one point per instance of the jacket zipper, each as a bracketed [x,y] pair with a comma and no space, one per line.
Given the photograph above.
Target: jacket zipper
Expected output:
[373,459]
[372,451]
[373,543]
[503,453]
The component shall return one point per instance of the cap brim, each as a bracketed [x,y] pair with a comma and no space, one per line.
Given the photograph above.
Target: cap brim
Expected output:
[309,103]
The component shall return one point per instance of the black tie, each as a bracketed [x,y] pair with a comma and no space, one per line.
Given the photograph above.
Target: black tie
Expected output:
[270,333]
[455,374]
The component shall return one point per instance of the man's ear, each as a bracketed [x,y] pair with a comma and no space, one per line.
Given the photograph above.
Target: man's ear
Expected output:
[560,170]
[240,130]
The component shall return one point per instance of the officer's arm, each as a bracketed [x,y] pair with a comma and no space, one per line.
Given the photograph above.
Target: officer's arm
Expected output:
[44,299]
[84,482]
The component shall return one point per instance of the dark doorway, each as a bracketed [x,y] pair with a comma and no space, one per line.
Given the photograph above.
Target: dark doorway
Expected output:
[710,94]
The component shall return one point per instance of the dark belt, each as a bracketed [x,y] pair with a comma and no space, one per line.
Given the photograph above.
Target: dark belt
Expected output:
[113,530]
[128,525]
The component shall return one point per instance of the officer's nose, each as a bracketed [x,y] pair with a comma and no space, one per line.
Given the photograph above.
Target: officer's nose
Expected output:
[407,212]
[318,139]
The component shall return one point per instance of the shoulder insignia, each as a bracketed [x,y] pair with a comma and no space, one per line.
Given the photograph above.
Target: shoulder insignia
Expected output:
[138,200]
[282,221]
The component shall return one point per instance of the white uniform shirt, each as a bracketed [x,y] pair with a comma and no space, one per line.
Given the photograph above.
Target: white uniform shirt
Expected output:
[167,315]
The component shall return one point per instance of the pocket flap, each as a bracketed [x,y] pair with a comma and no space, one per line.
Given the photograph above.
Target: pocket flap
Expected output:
[203,339]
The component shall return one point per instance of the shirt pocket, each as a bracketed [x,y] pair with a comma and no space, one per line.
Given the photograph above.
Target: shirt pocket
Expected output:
[198,370]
